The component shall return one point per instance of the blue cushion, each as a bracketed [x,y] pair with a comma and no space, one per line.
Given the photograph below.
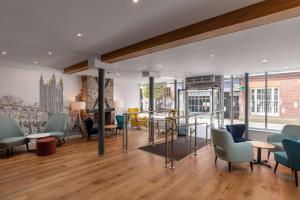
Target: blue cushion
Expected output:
[237,130]
[281,157]
[238,140]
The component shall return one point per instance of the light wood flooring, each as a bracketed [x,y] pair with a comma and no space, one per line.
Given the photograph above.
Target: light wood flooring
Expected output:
[77,172]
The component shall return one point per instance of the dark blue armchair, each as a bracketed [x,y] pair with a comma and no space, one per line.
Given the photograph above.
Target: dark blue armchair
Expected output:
[290,158]
[237,131]
[120,122]
[89,128]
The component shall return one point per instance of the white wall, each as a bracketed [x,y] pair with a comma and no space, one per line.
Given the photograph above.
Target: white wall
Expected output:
[24,83]
[128,92]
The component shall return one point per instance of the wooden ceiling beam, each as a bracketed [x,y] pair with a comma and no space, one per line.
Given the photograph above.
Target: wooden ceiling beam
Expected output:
[262,13]
[82,66]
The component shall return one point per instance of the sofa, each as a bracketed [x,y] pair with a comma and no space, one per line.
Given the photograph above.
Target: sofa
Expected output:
[11,135]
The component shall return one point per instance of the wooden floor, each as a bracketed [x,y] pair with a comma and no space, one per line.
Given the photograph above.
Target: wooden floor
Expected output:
[76,172]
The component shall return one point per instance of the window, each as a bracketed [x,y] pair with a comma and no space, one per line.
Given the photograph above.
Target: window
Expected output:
[199,101]
[258,101]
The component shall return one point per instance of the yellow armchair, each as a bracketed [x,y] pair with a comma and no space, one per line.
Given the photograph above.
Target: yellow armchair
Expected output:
[135,120]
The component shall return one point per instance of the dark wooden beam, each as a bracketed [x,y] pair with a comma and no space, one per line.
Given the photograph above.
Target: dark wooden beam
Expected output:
[82,66]
[262,13]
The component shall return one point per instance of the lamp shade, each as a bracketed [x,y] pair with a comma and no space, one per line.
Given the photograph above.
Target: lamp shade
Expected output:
[78,105]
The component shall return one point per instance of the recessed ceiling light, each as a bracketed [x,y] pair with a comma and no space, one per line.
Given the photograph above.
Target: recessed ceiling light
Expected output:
[135,1]
[159,66]
[50,52]
[3,52]
[264,61]
[212,55]
[35,62]
[79,34]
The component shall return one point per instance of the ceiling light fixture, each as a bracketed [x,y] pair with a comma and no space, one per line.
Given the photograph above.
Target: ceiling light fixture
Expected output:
[212,55]
[35,62]
[159,66]
[264,61]
[3,52]
[50,52]
[79,34]
[135,1]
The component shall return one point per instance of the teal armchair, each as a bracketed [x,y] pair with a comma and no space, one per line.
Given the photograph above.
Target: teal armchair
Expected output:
[290,158]
[288,131]
[226,149]
[57,126]
[11,135]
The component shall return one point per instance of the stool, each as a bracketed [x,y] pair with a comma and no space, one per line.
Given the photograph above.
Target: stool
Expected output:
[45,146]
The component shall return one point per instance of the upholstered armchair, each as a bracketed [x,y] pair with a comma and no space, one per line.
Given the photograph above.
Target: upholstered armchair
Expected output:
[11,135]
[89,124]
[288,131]
[135,120]
[226,149]
[237,131]
[120,122]
[290,158]
[57,126]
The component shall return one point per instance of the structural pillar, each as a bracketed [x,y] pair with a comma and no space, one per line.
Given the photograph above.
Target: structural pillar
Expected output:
[101,111]
[175,95]
[151,109]
[247,104]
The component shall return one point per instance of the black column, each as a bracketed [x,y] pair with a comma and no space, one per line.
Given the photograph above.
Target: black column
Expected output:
[151,108]
[175,95]
[101,111]
[247,104]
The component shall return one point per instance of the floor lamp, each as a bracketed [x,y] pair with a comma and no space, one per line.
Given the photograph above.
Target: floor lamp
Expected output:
[76,107]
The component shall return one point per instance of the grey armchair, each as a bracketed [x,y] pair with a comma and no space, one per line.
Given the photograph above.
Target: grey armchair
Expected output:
[288,132]
[57,126]
[11,135]
[226,149]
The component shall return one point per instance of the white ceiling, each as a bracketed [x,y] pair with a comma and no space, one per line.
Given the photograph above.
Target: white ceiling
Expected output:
[235,54]
[31,28]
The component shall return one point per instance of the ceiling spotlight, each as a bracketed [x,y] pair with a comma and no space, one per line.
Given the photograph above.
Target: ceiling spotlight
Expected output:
[35,62]
[79,34]
[212,55]
[3,52]
[264,61]
[159,66]
[135,1]
[50,52]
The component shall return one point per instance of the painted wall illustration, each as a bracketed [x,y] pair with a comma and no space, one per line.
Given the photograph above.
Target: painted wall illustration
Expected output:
[32,117]
[51,95]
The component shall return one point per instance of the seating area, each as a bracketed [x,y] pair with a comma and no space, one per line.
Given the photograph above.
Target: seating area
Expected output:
[150,100]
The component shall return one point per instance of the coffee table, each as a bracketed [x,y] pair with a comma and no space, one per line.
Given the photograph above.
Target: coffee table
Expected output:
[112,128]
[261,145]
[37,136]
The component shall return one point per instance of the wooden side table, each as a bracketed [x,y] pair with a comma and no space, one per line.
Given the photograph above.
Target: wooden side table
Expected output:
[261,145]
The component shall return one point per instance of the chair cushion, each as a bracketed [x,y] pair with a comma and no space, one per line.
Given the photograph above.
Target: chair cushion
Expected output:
[281,157]
[238,140]
[56,134]
[237,130]
[278,146]
[12,142]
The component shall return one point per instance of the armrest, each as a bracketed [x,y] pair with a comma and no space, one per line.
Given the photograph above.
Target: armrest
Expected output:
[241,152]
[275,138]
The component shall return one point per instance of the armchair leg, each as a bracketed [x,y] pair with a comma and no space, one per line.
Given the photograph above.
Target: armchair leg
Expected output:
[269,153]
[275,169]
[59,144]
[251,165]
[296,177]
[27,147]
[216,158]
[229,166]
[7,153]
[64,140]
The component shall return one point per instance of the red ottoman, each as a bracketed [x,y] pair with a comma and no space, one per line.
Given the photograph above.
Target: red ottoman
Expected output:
[46,146]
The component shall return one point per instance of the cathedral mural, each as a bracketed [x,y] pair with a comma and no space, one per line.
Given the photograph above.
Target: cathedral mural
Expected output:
[32,117]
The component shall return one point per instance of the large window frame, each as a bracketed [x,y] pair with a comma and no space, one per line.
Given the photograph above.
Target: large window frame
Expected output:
[258,101]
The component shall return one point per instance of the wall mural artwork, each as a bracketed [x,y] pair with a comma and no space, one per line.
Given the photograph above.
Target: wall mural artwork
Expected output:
[51,95]
[32,117]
